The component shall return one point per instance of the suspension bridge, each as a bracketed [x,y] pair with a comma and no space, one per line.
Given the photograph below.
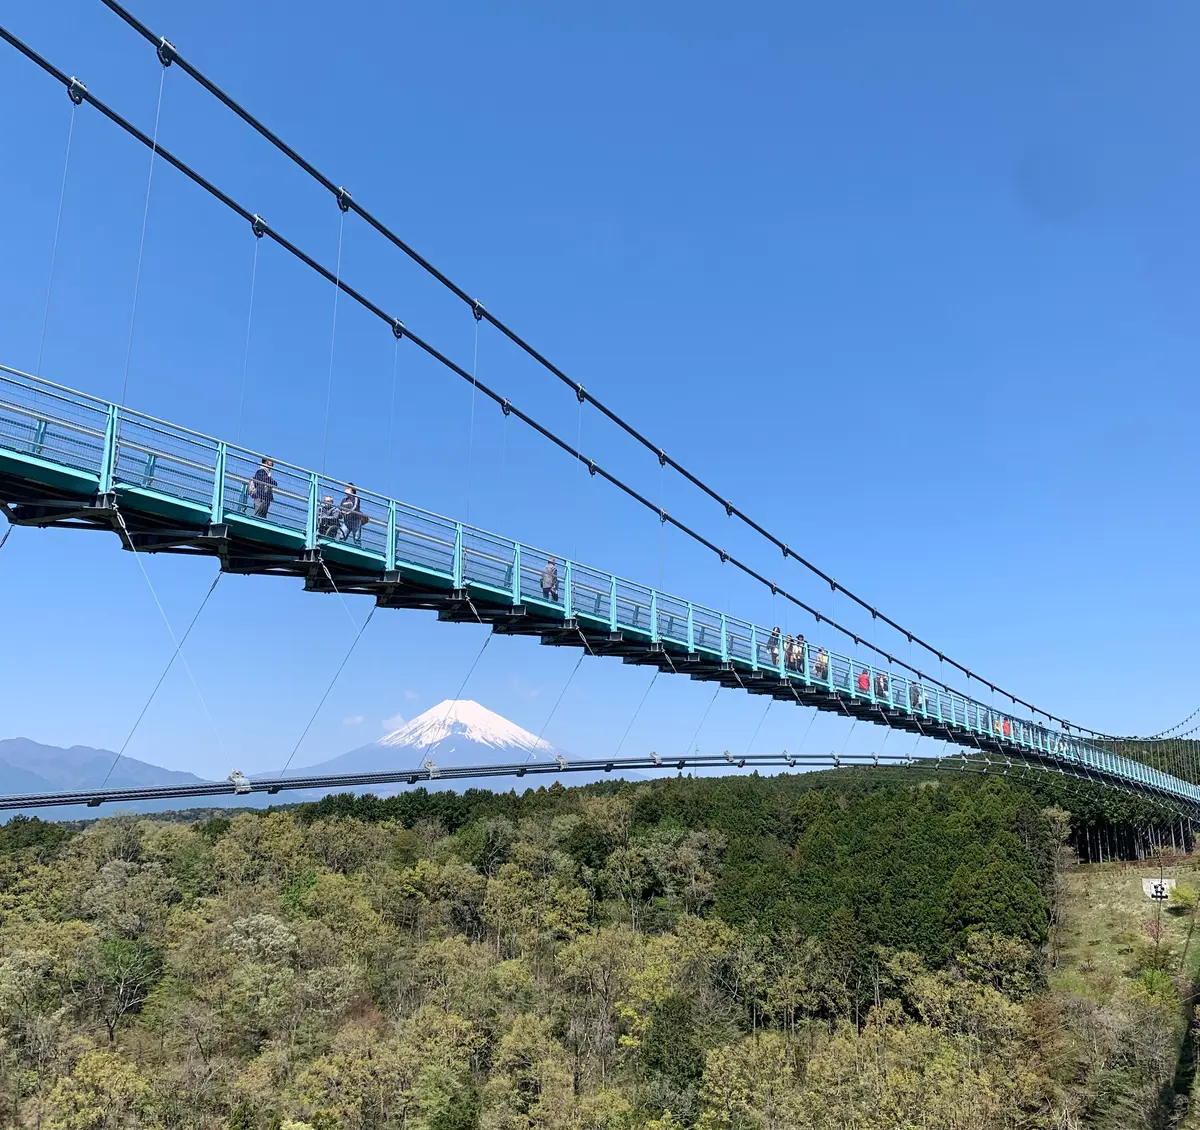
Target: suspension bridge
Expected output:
[69,459]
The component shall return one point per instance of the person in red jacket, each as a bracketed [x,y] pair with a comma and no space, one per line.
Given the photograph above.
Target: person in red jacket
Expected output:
[864,680]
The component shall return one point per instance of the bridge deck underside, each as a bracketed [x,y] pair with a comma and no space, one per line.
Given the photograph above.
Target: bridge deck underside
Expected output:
[337,567]
[67,459]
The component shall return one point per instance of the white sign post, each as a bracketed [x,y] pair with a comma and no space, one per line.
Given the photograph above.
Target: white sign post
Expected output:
[1158,890]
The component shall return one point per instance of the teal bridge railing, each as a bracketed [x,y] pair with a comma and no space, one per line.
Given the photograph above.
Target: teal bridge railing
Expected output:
[68,458]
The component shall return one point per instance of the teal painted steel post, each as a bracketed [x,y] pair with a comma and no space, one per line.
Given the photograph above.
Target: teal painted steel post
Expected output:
[753,647]
[654,615]
[691,628]
[457,566]
[389,553]
[310,530]
[724,641]
[612,603]
[567,596]
[108,459]
[516,581]
[217,510]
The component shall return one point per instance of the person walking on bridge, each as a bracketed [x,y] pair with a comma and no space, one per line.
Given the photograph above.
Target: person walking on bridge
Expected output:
[550,581]
[262,487]
[353,518]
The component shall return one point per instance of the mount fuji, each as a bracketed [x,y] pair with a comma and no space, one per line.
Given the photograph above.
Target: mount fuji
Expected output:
[456,732]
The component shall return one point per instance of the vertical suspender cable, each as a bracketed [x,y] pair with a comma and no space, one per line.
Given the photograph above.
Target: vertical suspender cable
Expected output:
[161,678]
[62,193]
[392,417]
[336,674]
[137,280]
[558,701]
[471,426]
[333,335]
[703,718]
[137,556]
[578,477]
[636,712]
[249,324]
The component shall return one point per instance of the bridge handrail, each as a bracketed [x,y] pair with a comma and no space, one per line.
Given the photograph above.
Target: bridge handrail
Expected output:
[734,640]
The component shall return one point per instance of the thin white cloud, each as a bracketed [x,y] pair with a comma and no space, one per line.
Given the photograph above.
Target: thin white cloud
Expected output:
[393,723]
[524,688]
[352,720]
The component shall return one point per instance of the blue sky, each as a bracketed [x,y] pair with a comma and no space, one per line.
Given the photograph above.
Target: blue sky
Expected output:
[916,288]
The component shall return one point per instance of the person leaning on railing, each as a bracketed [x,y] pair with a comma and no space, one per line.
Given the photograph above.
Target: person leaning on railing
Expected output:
[262,488]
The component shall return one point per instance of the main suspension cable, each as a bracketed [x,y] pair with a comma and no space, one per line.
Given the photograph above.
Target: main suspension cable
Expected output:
[400,329]
[730,509]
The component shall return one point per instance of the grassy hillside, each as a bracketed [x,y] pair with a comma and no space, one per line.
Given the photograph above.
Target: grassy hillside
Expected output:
[830,950]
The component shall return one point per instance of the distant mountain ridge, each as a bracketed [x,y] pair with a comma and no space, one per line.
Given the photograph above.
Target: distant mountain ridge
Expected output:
[27,766]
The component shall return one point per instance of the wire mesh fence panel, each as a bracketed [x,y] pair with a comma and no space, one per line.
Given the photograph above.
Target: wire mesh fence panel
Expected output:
[257,487]
[425,540]
[738,643]
[43,423]
[488,560]
[672,619]
[706,630]
[841,672]
[354,517]
[633,607]
[591,593]
[541,577]
[171,461]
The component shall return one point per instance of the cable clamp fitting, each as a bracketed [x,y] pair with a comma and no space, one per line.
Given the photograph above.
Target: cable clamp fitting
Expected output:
[728,509]
[343,199]
[477,309]
[662,516]
[505,407]
[76,91]
[592,467]
[662,457]
[166,52]
[724,556]
[258,225]
[397,328]
[580,393]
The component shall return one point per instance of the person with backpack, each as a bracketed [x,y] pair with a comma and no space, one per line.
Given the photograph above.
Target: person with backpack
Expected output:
[261,488]
[549,581]
[353,519]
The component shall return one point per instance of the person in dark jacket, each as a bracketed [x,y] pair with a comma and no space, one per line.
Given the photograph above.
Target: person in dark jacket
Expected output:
[352,516]
[262,488]
[550,581]
[328,520]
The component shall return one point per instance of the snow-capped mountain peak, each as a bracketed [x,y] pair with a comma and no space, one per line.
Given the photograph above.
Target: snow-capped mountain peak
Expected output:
[465,720]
